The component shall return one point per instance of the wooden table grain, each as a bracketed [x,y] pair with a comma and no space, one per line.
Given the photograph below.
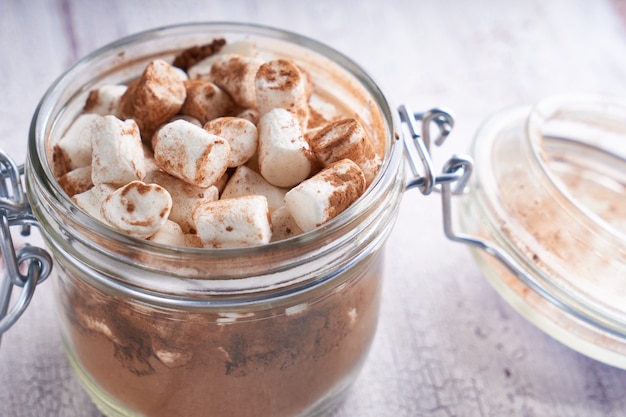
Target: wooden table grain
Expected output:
[447,344]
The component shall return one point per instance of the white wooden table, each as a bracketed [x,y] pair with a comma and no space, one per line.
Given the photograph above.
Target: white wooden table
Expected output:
[447,345]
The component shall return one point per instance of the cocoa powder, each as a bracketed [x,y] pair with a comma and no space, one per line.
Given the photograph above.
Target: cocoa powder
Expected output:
[93,100]
[275,362]
[195,54]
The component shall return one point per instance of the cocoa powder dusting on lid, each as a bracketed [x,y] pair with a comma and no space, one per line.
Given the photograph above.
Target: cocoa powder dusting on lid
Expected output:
[195,54]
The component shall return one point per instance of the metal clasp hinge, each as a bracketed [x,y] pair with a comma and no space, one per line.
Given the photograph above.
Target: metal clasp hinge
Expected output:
[418,147]
[27,266]
[457,169]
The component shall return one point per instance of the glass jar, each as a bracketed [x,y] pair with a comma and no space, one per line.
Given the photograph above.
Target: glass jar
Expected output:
[278,330]
[283,329]
[549,198]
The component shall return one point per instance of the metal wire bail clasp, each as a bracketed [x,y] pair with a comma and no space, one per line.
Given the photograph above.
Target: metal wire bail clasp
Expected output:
[27,266]
[418,146]
[457,169]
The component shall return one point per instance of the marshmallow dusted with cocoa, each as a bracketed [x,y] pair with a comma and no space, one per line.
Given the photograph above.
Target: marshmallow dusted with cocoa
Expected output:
[205,101]
[173,235]
[241,135]
[76,181]
[73,150]
[185,197]
[246,181]
[90,201]
[343,139]
[154,98]
[320,198]
[105,100]
[284,155]
[249,114]
[137,209]
[283,224]
[212,152]
[117,151]
[235,74]
[233,222]
[281,84]
[190,153]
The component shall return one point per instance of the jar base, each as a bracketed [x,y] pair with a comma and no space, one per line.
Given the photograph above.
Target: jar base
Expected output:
[109,407]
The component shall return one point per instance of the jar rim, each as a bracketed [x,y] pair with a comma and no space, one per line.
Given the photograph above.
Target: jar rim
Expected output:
[578,107]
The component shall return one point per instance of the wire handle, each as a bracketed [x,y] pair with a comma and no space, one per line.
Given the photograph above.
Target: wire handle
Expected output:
[418,147]
[457,169]
[27,266]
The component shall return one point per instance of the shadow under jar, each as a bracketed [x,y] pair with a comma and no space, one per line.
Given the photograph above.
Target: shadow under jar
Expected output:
[275,330]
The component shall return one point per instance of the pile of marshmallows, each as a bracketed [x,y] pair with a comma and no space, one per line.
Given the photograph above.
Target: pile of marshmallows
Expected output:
[221,154]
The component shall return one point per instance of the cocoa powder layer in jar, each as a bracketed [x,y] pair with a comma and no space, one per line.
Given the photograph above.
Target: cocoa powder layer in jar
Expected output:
[273,362]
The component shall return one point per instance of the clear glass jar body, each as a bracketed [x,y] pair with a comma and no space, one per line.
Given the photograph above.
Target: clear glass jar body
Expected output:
[278,330]
[549,191]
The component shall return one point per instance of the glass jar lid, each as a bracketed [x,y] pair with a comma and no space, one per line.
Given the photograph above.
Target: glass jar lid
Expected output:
[549,190]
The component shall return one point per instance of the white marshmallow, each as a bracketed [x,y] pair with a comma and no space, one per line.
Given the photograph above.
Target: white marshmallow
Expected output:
[76,181]
[187,118]
[235,74]
[137,209]
[181,74]
[192,240]
[202,68]
[154,98]
[185,197]
[172,234]
[249,114]
[118,156]
[221,182]
[243,48]
[283,225]
[91,200]
[245,181]
[346,138]
[241,134]
[148,160]
[205,101]
[105,100]
[320,198]
[280,84]
[73,150]
[324,109]
[191,153]
[283,152]
[234,222]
